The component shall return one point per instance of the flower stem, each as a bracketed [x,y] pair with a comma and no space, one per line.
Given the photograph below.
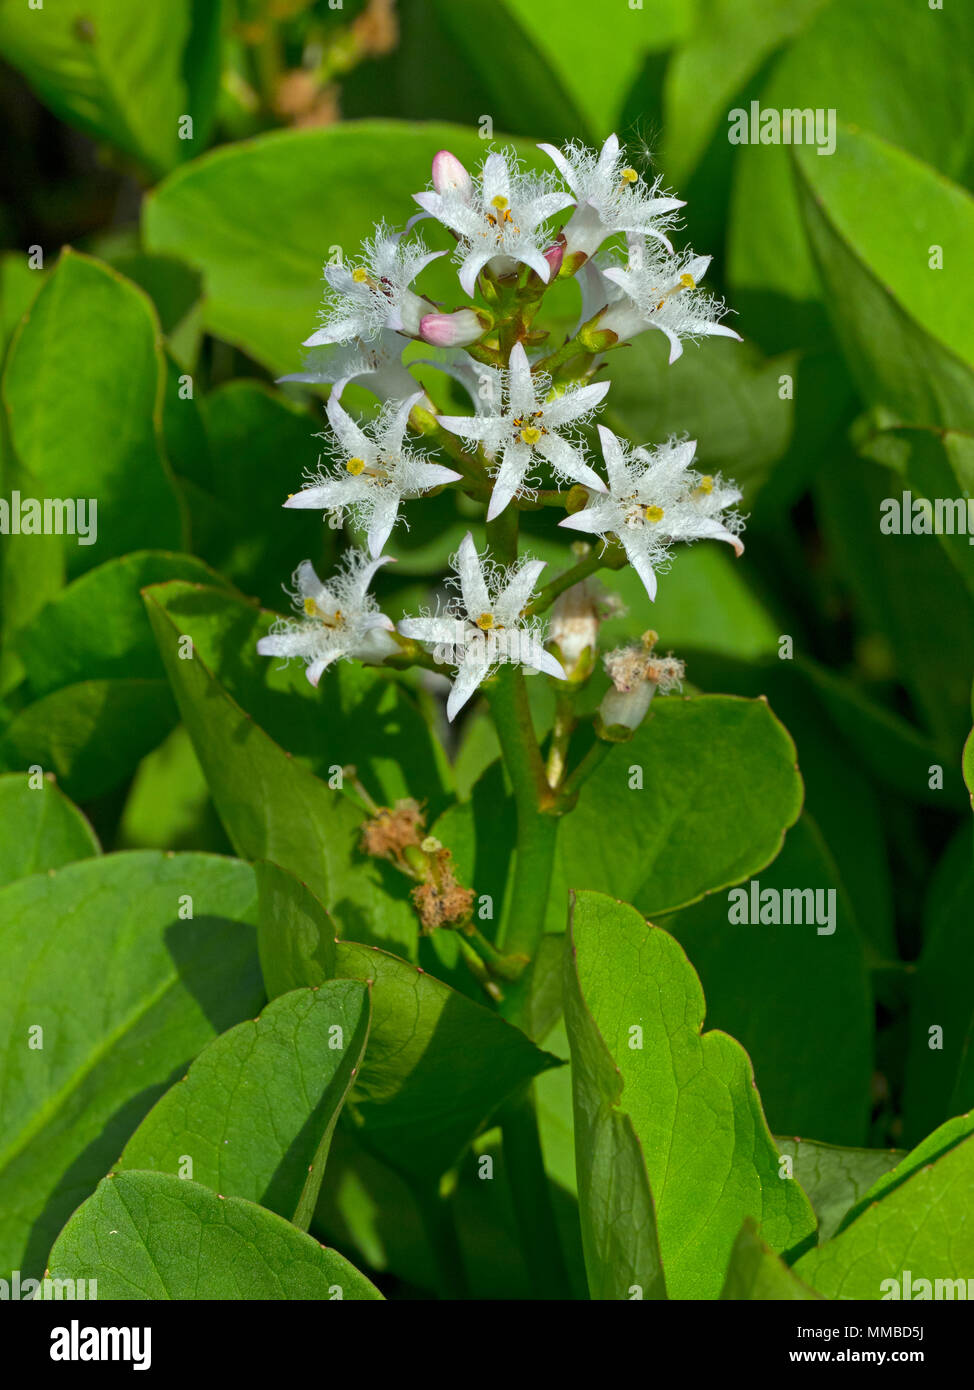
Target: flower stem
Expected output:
[611,557]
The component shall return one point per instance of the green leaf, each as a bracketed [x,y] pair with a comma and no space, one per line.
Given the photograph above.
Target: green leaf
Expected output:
[104,957]
[252,217]
[899,94]
[968,764]
[82,387]
[727,45]
[358,715]
[691,1098]
[834,1179]
[941,995]
[756,1272]
[97,628]
[271,806]
[780,988]
[944,1138]
[153,1236]
[175,290]
[121,75]
[91,735]
[724,394]
[922,1226]
[168,804]
[257,1109]
[259,444]
[40,828]
[892,578]
[686,832]
[437,1064]
[902,323]
[616,1210]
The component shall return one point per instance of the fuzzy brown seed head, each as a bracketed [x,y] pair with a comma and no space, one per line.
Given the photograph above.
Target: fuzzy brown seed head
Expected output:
[393,829]
[440,900]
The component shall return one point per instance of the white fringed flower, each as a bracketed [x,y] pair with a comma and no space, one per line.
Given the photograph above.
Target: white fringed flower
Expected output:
[341,619]
[636,676]
[526,425]
[377,469]
[376,364]
[483,626]
[655,499]
[654,290]
[499,217]
[375,294]
[610,197]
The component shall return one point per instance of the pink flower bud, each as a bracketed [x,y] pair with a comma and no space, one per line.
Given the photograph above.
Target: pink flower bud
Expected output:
[554,256]
[449,175]
[451,330]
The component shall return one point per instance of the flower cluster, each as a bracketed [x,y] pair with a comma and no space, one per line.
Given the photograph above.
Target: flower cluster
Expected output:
[593,217]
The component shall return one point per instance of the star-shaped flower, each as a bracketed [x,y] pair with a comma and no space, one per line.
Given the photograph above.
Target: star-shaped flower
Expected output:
[525,425]
[377,364]
[377,469]
[499,216]
[655,498]
[483,626]
[375,294]
[654,290]
[610,196]
[341,619]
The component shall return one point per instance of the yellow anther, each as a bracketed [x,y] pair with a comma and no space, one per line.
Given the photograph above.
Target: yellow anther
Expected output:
[485,622]
[499,202]
[653,513]
[355,466]
[360,276]
[705,485]
[629,176]
[688,282]
[310,607]
[531,435]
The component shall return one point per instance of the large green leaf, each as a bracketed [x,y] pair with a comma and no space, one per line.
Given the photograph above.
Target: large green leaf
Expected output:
[92,734]
[437,1064]
[767,982]
[756,1273]
[256,1111]
[835,1179]
[724,394]
[359,716]
[128,964]
[272,807]
[97,627]
[944,1138]
[258,220]
[900,94]
[690,1096]
[83,391]
[941,1007]
[40,829]
[720,787]
[902,321]
[153,1236]
[616,1211]
[727,45]
[923,1225]
[128,76]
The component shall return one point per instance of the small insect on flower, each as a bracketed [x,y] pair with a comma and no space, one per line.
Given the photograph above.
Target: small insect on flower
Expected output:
[484,626]
[375,470]
[655,499]
[375,294]
[340,619]
[499,217]
[527,424]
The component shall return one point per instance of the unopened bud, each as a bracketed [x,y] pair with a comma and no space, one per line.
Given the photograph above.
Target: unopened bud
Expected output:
[449,175]
[454,330]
